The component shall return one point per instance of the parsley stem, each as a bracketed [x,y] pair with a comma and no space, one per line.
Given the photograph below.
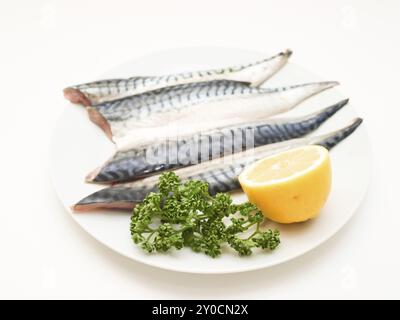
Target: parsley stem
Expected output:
[150,235]
[255,232]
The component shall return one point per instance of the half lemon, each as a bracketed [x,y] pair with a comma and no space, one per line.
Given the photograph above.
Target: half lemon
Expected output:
[291,186]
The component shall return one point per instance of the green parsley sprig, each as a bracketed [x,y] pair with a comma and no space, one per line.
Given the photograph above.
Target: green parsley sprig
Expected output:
[186,215]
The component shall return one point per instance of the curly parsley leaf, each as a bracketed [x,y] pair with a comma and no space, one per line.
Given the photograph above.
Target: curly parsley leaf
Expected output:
[186,215]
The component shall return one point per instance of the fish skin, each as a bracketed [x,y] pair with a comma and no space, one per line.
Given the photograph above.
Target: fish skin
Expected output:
[220,174]
[152,115]
[93,93]
[144,161]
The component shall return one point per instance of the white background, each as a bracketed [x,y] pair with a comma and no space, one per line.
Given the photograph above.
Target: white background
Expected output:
[47,45]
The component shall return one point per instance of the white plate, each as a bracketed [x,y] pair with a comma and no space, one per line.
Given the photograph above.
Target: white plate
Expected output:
[78,146]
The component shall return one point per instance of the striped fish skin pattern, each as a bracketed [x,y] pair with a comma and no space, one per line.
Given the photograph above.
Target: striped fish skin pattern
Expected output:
[142,106]
[146,117]
[221,174]
[93,93]
[173,154]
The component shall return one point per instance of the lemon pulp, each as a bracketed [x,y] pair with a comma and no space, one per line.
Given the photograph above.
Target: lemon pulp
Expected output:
[291,186]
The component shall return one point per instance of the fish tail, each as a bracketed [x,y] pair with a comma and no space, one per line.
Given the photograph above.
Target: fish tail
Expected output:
[321,85]
[302,91]
[287,53]
[317,118]
[270,65]
[330,140]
